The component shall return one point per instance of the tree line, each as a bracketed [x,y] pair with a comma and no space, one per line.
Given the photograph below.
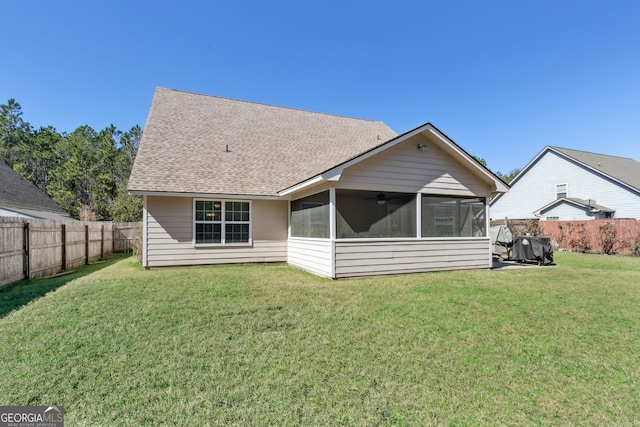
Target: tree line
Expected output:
[508,177]
[85,172]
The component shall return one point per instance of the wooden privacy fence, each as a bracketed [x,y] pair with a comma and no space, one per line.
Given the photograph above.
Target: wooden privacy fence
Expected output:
[33,248]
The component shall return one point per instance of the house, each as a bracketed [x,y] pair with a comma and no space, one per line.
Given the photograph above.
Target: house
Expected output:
[20,198]
[567,185]
[227,181]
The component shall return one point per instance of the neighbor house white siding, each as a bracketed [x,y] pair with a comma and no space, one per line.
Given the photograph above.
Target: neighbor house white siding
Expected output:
[369,258]
[567,212]
[169,234]
[536,188]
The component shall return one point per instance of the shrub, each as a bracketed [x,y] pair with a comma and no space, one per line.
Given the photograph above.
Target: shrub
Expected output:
[635,250]
[581,242]
[524,227]
[608,238]
[137,246]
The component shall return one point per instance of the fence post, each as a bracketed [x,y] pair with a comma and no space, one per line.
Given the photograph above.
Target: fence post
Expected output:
[86,244]
[26,264]
[64,247]
[102,241]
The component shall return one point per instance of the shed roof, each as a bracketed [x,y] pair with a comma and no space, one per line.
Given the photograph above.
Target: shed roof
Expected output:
[19,195]
[210,145]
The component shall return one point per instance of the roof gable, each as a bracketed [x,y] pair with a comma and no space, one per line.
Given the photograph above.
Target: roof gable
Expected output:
[209,145]
[433,135]
[575,202]
[623,169]
[19,195]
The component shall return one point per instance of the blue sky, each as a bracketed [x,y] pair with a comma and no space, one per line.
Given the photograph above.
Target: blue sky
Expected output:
[502,78]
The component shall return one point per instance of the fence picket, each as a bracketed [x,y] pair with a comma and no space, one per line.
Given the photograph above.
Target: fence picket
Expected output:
[33,248]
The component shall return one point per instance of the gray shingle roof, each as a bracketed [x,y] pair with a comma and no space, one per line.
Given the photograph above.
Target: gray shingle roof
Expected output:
[622,169]
[576,201]
[183,147]
[19,195]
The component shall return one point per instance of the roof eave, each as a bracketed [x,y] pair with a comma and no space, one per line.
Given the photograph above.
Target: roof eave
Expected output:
[204,195]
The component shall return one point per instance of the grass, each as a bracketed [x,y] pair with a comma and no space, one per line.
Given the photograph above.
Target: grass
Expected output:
[269,345]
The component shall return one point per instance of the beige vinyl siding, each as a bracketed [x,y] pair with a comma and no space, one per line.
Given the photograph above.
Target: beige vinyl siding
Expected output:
[312,255]
[404,168]
[371,258]
[170,235]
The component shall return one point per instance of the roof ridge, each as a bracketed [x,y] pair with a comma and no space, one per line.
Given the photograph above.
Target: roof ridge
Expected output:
[273,106]
[591,152]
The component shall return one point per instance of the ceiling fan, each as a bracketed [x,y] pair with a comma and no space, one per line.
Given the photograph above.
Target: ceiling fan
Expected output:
[380,198]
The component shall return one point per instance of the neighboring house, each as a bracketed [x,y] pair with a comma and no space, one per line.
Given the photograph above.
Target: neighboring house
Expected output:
[567,185]
[228,181]
[19,197]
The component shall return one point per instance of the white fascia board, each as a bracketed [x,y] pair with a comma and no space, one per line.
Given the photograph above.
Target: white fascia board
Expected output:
[335,173]
[304,184]
[557,202]
[500,186]
[532,162]
[522,172]
[204,195]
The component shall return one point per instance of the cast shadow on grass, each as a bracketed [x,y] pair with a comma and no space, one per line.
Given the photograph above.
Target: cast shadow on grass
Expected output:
[21,293]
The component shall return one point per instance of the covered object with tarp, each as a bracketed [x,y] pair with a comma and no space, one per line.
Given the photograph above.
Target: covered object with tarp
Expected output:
[529,248]
[501,240]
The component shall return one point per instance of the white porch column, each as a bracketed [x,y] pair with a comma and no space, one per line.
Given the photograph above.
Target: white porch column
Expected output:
[487,224]
[145,232]
[332,230]
[419,215]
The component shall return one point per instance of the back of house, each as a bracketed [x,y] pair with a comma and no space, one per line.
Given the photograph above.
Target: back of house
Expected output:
[228,181]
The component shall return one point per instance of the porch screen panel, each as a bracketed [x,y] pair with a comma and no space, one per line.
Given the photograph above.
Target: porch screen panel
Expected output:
[310,216]
[373,214]
[453,217]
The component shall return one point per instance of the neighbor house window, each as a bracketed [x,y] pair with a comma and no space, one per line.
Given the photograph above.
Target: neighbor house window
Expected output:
[453,216]
[373,214]
[553,218]
[310,216]
[221,222]
[561,191]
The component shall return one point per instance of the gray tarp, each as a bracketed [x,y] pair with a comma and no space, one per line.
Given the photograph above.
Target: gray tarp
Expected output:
[528,248]
[501,240]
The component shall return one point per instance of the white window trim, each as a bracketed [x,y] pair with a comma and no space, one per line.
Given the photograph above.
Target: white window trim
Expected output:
[566,189]
[222,223]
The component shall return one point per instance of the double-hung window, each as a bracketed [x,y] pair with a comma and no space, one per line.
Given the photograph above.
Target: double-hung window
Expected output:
[561,191]
[221,222]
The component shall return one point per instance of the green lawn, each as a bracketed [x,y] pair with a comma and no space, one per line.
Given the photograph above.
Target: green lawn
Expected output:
[269,345]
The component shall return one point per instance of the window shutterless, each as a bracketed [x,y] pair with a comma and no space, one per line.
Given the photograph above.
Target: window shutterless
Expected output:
[222,222]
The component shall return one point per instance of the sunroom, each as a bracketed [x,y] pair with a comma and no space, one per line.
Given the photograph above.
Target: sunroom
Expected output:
[417,204]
